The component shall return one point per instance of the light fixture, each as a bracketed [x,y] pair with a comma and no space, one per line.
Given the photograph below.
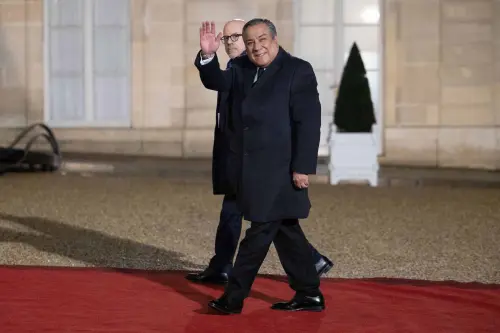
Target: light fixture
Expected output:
[370,14]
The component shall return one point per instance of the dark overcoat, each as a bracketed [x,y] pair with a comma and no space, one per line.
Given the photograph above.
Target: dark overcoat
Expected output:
[275,130]
[220,151]
[221,184]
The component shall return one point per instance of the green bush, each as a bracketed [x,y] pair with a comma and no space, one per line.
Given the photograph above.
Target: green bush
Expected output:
[354,110]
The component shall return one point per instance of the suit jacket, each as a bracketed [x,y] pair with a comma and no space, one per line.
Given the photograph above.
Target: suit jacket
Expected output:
[275,131]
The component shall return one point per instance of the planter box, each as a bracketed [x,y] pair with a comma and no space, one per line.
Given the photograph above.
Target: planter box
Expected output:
[353,157]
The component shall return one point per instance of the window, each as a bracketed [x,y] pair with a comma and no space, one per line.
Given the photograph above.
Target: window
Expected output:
[326,30]
[87,60]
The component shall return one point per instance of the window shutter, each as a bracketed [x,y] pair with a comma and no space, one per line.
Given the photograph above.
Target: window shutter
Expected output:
[66,64]
[111,61]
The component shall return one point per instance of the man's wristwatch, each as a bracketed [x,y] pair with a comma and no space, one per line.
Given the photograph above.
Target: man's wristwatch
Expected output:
[206,56]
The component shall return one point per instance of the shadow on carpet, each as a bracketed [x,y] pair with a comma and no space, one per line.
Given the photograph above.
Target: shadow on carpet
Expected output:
[43,299]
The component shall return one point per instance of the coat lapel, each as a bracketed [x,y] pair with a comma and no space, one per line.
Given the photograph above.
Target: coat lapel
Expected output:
[250,70]
[248,75]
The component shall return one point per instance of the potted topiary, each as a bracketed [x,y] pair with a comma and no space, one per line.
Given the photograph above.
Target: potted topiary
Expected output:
[353,148]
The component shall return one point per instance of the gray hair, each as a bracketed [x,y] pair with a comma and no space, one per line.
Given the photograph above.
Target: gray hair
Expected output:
[256,21]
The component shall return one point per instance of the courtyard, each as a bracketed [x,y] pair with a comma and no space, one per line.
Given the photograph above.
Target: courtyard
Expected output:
[431,233]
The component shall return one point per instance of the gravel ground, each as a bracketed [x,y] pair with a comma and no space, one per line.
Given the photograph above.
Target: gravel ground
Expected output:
[156,223]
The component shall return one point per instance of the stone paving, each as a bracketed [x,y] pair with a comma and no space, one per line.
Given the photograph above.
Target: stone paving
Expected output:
[437,233]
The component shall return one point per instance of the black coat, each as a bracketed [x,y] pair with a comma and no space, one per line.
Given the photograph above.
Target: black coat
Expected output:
[274,129]
[221,183]
[220,151]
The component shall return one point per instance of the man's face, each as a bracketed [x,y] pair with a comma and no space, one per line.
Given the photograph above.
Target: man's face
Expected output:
[232,30]
[261,47]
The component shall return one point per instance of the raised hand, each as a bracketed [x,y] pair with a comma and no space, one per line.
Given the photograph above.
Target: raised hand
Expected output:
[209,42]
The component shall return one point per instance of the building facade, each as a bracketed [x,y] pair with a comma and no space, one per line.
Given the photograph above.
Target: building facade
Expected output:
[117,76]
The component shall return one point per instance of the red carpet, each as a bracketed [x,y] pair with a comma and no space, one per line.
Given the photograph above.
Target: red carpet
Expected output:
[90,300]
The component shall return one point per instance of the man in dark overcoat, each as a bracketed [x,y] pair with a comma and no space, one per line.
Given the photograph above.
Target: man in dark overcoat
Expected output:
[275,124]
[230,220]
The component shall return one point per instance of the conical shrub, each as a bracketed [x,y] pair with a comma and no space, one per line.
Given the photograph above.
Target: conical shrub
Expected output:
[354,110]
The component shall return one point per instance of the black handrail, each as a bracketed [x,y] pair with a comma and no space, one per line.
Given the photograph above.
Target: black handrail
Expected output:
[49,136]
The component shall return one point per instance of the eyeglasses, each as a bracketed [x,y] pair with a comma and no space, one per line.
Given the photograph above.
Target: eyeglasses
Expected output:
[234,38]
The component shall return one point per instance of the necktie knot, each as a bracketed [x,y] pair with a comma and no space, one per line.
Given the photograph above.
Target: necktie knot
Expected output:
[260,71]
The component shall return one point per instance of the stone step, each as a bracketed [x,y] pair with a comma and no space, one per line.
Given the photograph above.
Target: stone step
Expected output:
[126,165]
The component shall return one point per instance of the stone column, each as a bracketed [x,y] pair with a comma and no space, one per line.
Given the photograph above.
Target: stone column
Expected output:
[13,92]
[158,94]
[163,28]
[412,85]
[467,136]
[496,73]
[34,61]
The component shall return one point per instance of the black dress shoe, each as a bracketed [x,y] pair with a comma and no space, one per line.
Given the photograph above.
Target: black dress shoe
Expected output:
[323,265]
[223,305]
[303,303]
[208,276]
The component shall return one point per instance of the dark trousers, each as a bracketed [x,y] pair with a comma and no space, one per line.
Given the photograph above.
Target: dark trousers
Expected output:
[293,251]
[228,234]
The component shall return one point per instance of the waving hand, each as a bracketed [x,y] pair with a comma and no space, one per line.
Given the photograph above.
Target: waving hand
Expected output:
[209,41]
